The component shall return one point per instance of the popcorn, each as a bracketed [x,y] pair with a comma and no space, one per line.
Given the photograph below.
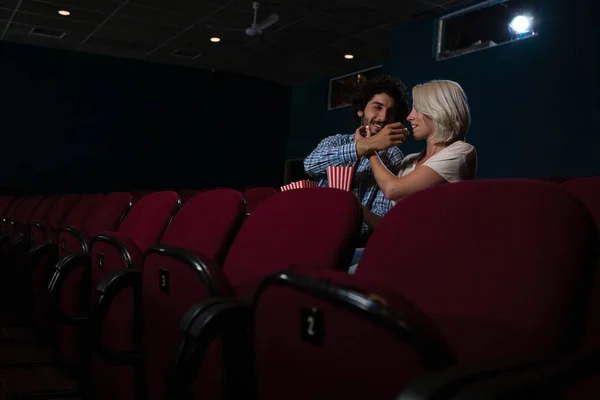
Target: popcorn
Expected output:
[299,185]
[340,177]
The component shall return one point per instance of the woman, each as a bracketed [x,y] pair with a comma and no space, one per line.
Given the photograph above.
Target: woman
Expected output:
[440,116]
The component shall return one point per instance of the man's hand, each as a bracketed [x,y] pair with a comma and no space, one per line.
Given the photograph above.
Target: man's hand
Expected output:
[390,136]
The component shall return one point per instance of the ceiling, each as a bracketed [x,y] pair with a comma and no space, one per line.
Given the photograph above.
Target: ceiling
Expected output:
[309,40]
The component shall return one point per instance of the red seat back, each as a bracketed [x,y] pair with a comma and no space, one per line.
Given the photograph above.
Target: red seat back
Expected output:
[499,265]
[471,272]
[143,226]
[317,227]
[82,209]
[205,225]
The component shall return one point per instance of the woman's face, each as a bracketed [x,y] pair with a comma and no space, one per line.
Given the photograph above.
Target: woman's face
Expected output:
[422,125]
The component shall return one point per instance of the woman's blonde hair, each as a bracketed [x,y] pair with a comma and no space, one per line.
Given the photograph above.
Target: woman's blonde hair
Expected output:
[445,102]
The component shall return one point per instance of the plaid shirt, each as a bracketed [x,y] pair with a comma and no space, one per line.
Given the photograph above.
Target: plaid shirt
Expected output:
[340,150]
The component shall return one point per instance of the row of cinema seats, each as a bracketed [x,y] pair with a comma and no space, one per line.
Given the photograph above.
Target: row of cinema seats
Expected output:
[41,325]
[461,285]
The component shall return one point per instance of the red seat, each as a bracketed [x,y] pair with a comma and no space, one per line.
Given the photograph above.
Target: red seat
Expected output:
[317,227]
[143,226]
[470,273]
[9,213]
[572,377]
[171,281]
[37,351]
[113,252]
[17,224]
[70,287]
[44,254]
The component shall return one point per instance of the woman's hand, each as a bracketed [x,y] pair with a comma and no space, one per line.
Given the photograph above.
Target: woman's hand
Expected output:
[390,136]
[361,133]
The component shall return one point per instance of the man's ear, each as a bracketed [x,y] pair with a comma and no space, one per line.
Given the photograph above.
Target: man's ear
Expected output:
[360,113]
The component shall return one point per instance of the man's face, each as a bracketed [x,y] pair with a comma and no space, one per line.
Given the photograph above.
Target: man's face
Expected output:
[379,112]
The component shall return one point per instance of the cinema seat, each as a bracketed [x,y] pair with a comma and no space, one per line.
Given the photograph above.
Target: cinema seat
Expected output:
[170,282]
[318,227]
[110,252]
[464,279]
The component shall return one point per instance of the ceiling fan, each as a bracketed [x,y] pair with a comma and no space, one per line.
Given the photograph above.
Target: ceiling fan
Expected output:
[256,29]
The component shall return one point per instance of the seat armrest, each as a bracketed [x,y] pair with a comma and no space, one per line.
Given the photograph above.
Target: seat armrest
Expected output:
[42,273]
[43,249]
[108,289]
[200,326]
[42,227]
[210,272]
[63,269]
[130,252]
[376,303]
[78,234]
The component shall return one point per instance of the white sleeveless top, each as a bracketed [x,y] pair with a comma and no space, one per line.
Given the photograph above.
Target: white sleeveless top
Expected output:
[457,162]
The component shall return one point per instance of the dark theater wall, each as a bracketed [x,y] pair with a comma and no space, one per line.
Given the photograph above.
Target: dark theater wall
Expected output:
[81,122]
[534,103]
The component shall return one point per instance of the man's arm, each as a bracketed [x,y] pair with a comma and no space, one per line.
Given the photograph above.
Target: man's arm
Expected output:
[392,159]
[333,151]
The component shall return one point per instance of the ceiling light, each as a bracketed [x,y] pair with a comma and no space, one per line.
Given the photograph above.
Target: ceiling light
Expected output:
[521,24]
[64,12]
[215,39]
[348,56]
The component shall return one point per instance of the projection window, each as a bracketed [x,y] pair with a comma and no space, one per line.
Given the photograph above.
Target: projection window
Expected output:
[486,25]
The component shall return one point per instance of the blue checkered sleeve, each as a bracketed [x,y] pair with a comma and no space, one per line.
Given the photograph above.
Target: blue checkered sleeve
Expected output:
[337,150]
[392,158]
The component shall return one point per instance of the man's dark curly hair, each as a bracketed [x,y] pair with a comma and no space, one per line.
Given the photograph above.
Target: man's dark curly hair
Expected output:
[387,84]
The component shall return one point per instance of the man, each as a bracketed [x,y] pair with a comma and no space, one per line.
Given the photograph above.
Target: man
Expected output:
[377,105]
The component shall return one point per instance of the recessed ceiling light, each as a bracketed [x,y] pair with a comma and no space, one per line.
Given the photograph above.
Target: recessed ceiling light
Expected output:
[215,39]
[348,56]
[64,12]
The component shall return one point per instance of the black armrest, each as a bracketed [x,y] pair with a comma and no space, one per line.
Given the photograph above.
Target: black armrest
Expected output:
[201,325]
[63,268]
[41,250]
[21,241]
[119,244]
[406,321]
[541,381]
[210,273]
[42,227]
[108,289]
[80,238]
[442,384]
[47,249]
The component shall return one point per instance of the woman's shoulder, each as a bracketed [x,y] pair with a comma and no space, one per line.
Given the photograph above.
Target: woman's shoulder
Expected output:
[461,147]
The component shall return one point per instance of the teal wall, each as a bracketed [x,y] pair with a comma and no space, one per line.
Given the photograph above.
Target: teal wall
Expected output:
[534,103]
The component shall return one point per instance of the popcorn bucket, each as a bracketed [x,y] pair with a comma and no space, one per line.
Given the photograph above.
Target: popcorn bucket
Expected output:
[340,177]
[299,185]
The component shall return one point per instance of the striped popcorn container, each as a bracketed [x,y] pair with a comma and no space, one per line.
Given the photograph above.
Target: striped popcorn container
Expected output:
[299,185]
[340,177]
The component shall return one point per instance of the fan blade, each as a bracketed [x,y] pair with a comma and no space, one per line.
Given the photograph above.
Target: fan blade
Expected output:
[267,22]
